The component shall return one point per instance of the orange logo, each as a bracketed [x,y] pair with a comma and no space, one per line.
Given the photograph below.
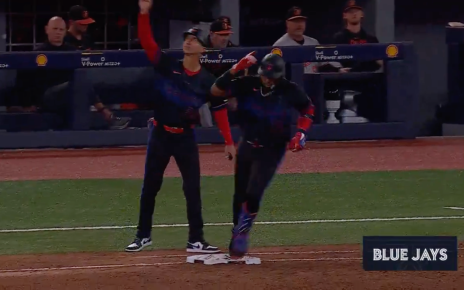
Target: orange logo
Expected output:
[351,3]
[225,26]
[225,19]
[392,51]
[277,51]
[297,12]
[85,14]
[41,60]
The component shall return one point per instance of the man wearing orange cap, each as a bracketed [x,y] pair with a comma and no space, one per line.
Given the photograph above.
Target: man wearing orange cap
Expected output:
[77,35]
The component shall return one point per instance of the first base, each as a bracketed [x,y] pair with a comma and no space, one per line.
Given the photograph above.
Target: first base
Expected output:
[215,259]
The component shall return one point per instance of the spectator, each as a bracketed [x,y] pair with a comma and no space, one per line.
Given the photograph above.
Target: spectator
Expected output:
[353,33]
[47,88]
[296,26]
[77,35]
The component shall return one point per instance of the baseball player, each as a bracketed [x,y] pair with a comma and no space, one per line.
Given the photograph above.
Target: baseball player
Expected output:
[265,105]
[296,26]
[184,87]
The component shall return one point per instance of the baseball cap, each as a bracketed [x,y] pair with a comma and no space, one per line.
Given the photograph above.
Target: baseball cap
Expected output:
[225,19]
[195,31]
[352,4]
[220,27]
[80,15]
[294,13]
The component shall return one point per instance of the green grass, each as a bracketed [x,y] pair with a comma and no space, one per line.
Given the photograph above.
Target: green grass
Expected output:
[72,203]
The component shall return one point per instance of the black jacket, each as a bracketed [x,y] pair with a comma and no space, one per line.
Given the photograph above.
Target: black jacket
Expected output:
[362,37]
[31,84]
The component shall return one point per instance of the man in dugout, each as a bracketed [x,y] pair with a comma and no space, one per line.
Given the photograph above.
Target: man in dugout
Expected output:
[45,90]
[363,106]
[219,38]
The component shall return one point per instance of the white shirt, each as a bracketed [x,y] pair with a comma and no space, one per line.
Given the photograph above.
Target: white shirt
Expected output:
[309,67]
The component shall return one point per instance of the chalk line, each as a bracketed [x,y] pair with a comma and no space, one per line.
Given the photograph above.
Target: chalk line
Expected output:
[257,254]
[454,207]
[229,224]
[263,253]
[138,265]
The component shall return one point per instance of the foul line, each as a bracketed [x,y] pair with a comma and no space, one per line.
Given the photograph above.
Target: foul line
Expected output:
[229,224]
[258,254]
[101,267]
[264,254]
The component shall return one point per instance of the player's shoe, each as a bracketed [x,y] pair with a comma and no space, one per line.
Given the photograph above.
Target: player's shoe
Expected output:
[139,244]
[238,246]
[201,247]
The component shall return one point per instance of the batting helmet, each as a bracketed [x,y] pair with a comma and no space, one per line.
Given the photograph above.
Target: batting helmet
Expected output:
[272,66]
[197,32]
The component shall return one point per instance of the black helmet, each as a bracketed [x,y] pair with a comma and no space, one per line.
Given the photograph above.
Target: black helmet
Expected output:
[197,32]
[272,66]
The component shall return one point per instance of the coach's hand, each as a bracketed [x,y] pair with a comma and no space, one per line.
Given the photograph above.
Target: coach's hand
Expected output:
[230,152]
[145,6]
[298,142]
[245,62]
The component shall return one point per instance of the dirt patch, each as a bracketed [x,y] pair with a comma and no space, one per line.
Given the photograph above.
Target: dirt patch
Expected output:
[309,267]
[405,155]
[325,267]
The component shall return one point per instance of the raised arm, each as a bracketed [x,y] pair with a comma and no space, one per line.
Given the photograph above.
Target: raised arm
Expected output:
[145,33]
[223,83]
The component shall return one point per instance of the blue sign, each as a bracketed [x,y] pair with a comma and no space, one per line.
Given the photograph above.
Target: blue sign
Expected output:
[413,253]
[138,58]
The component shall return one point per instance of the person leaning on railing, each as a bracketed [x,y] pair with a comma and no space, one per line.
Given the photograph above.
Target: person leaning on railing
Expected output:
[46,90]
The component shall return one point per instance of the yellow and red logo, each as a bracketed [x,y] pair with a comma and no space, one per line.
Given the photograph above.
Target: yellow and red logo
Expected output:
[41,60]
[277,51]
[392,51]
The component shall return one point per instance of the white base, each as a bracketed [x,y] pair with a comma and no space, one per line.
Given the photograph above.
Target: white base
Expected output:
[215,259]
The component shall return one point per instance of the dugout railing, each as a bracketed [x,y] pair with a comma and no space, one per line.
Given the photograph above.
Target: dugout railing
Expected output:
[125,76]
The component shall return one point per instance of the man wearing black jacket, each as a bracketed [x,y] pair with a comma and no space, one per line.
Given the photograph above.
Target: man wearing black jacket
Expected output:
[359,104]
[47,88]
[353,33]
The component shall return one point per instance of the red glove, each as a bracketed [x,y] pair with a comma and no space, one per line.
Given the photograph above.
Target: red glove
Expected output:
[245,62]
[298,142]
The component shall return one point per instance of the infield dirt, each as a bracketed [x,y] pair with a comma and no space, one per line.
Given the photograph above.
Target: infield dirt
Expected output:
[305,267]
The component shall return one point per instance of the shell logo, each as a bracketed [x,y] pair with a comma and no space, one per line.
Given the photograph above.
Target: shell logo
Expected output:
[41,60]
[277,51]
[392,51]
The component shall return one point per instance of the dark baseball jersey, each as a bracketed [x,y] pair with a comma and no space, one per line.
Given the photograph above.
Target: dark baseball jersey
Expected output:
[347,37]
[85,43]
[266,117]
[180,92]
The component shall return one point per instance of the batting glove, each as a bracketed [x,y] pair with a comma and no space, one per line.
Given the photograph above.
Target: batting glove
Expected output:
[298,142]
[245,62]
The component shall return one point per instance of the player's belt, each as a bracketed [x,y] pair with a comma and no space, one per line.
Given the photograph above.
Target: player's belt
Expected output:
[174,130]
[255,144]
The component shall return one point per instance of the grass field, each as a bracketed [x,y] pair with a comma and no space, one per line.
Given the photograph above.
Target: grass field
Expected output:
[291,197]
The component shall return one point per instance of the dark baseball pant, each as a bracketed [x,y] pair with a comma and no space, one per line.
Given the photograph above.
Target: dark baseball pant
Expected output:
[183,147]
[254,169]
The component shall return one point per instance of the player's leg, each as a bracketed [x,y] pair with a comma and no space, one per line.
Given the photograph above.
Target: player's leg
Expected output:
[243,163]
[157,158]
[263,169]
[187,157]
